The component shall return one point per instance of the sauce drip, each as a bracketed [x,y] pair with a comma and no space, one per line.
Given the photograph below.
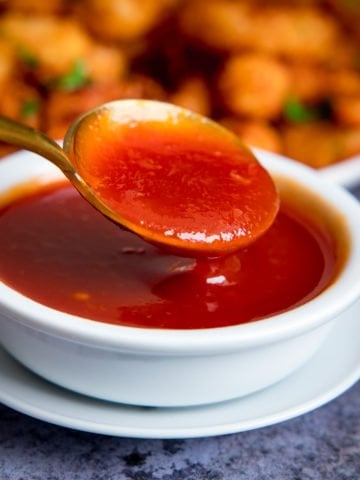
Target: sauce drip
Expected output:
[56,249]
[187,184]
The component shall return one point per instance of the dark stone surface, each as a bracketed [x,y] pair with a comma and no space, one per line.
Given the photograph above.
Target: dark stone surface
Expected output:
[323,445]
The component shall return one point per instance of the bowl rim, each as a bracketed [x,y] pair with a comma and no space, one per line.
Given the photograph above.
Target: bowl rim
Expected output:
[326,306]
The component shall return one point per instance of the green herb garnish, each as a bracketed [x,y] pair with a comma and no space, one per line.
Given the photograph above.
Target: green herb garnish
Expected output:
[29,108]
[75,79]
[297,112]
[27,58]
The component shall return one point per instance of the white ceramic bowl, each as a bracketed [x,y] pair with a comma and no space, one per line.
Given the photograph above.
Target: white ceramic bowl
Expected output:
[176,368]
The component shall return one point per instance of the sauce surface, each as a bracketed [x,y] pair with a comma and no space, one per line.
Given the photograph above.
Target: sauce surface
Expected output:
[56,249]
[177,181]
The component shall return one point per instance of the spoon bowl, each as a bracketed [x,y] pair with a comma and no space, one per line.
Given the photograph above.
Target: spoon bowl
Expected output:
[175,178]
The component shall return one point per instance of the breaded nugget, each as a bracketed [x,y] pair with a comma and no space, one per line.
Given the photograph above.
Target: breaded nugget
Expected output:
[313,83]
[255,133]
[283,30]
[254,85]
[142,86]
[347,110]
[218,24]
[21,102]
[308,82]
[301,33]
[8,64]
[106,64]
[125,20]
[63,107]
[56,47]
[343,82]
[193,94]
[317,144]
[350,142]
[52,45]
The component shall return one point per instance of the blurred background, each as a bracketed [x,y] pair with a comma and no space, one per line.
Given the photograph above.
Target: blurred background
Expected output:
[284,75]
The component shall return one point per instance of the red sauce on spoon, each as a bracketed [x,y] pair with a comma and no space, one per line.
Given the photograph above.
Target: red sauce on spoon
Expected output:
[183,181]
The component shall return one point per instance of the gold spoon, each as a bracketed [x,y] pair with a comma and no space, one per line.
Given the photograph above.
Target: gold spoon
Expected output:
[128,114]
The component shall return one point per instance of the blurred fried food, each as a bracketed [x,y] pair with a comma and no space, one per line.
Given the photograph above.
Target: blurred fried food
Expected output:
[301,32]
[46,44]
[347,110]
[284,76]
[257,133]
[124,20]
[254,85]
[193,94]
[63,107]
[320,144]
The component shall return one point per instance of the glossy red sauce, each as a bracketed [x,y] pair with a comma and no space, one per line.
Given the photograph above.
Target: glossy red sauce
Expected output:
[56,249]
[188,184]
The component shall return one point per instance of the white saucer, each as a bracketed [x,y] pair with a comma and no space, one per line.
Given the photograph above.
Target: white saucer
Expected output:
[345,173]
[329,373]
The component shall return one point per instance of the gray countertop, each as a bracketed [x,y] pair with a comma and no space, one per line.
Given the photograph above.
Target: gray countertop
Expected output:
[323,444]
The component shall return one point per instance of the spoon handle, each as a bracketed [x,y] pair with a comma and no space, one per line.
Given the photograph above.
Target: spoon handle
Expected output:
[20,135]
[16,133]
